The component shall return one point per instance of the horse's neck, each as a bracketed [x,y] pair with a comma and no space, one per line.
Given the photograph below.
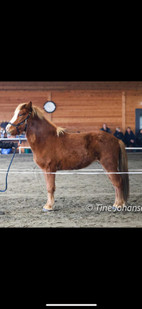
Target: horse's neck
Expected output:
[38,129]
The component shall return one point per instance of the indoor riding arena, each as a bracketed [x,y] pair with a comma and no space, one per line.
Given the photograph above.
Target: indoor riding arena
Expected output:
[84,197]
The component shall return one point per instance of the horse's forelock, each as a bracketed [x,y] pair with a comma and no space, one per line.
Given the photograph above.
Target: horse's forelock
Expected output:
[21,106]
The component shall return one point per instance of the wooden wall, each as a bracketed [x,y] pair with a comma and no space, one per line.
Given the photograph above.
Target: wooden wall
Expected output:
[81,106]
[9,100]
[87,110]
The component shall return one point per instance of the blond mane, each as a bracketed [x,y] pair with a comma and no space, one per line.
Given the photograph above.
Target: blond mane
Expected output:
[37,111]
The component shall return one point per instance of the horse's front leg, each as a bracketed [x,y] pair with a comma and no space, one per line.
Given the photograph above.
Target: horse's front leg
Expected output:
[50,184]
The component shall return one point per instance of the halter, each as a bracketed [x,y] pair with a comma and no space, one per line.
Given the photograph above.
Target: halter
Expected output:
[20,123]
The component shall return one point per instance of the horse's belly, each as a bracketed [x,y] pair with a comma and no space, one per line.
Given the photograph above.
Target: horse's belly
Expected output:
[74,161]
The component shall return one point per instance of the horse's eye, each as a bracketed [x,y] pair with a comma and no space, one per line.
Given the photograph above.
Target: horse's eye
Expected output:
[20,115]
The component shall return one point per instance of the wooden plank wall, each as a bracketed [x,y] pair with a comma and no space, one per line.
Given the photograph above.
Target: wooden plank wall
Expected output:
[79,110]
[9,100]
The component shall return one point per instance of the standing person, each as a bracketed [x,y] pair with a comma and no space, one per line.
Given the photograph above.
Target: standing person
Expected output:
[130,138]
[119,134]
[139,138]
[105,128]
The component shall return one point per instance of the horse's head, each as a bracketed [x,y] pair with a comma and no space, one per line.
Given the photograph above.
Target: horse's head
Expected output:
[17,124]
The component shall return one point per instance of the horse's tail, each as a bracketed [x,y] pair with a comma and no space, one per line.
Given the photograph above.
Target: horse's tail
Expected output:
[123,167]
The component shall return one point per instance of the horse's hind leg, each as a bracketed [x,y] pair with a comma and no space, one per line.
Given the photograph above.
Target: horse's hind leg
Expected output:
[117,183]
[50,184]
[116,180]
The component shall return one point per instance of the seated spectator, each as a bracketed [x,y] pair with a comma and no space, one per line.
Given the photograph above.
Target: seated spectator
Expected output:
[6,145]
[105,128]
[130,138]
[139,138]
[119,134]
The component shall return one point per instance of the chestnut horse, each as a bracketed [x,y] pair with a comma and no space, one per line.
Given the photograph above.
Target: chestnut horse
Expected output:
[54,149]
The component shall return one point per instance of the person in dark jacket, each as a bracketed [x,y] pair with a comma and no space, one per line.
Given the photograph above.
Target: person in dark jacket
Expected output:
[105,128]
[119,134]
[7,145]
[130,138]
[139,138]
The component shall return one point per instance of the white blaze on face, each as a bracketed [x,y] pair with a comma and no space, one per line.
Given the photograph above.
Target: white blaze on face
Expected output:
[14,118]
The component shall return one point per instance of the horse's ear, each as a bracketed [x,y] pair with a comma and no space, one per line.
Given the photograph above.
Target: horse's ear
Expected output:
[29,105]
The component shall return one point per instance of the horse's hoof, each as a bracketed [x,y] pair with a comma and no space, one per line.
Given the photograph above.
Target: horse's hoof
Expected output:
[117,208]
[47,209]
[114,208]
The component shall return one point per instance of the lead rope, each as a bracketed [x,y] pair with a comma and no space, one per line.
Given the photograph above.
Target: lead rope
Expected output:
[9,170]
